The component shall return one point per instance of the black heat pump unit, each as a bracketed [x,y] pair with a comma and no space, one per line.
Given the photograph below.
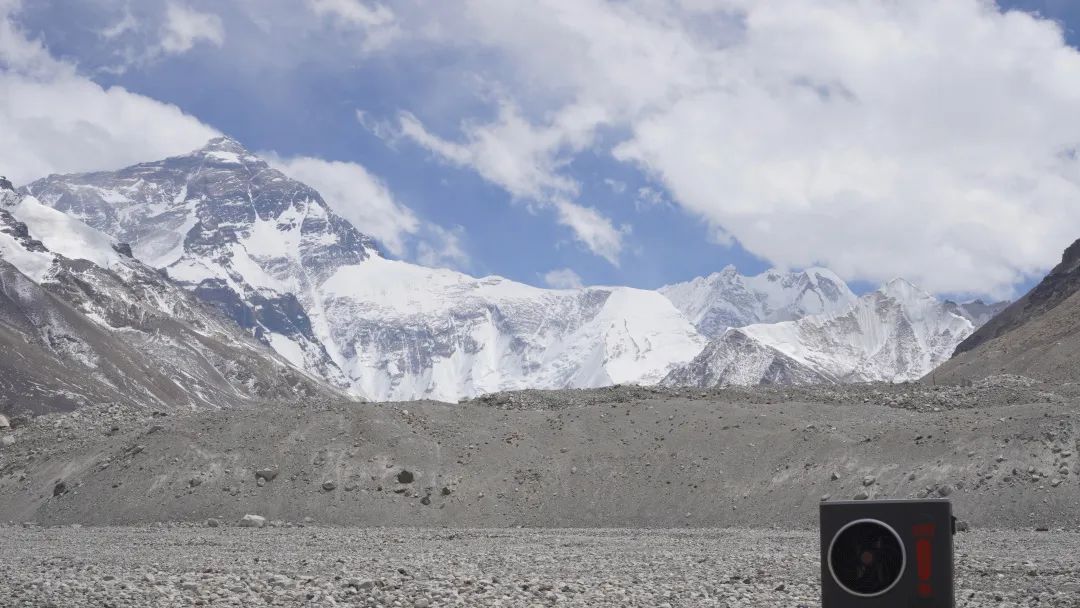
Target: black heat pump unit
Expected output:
[887,554]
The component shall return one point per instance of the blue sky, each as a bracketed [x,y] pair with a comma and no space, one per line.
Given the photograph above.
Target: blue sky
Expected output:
[635,145]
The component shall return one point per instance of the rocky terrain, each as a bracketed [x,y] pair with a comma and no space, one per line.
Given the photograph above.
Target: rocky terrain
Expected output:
[422,568]
[1005,451]
[894,334]
[82,321]
[1037,336]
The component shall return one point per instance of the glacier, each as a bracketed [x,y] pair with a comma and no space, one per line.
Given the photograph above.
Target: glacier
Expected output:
[270,253]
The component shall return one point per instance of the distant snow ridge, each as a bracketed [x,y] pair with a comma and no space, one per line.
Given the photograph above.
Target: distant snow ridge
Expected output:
[85,322]
[894,334]
[269,252]
[727,299]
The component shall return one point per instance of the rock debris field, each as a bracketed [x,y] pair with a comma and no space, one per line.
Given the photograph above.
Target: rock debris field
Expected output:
[175,565]
[611,497]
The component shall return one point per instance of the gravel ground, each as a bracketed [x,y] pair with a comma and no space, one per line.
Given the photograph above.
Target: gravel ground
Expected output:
[622,457]
[170,565]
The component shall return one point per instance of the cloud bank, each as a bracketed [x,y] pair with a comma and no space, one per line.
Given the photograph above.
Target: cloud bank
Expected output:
[925,139]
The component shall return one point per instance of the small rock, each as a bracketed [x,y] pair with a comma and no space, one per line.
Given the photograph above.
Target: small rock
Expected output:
[869,480]
[7,441]
[405,476]
[59,488]
[195,482]
[252,521]
[268,473]
[945,490]
[4,422]
[212,523]
[862,496]
[445,491]
[329,486]
[962,525]
[834,476]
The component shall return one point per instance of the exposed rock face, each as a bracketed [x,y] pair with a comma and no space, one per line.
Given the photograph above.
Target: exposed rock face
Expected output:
[208,219]
[894,334]
[87,324]
[270,253]
[1062,282]
[1038,336]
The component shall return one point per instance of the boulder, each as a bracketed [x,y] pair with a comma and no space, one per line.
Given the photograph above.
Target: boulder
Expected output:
[252,521]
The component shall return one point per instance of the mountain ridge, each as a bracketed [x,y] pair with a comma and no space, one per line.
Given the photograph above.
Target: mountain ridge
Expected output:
[84,322]
[897,333]
[270,253]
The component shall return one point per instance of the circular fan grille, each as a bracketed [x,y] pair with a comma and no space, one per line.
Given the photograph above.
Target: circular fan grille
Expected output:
[866,557]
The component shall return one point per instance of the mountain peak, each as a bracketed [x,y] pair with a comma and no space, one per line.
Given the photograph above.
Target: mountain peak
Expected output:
[903,290]
[224,143]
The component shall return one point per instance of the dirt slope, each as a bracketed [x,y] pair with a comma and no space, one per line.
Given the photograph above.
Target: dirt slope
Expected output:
[621,457]
[1037,336]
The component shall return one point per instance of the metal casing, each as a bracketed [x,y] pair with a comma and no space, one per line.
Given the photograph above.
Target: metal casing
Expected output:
[925,532]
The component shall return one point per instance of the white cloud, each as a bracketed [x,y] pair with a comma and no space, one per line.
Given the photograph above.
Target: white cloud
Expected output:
[356,195]
[618,187]
[593,229]
[353,12]
[442,248]
[367,203]
[933,140]
[376,21]
[185,27]
[563,278]
[649,197]
[56,121]
[124,25]
[526,162]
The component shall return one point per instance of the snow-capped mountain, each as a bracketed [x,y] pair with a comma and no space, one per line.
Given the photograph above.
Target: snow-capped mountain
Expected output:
[727,299]
[82,321]
[269,252]
[894,334]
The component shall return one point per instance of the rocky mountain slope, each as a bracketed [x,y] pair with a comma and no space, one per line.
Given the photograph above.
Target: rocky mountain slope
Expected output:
[727,299]
[894,334]
[1037,336]
[81,322]
[1006,454]
[271,254]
